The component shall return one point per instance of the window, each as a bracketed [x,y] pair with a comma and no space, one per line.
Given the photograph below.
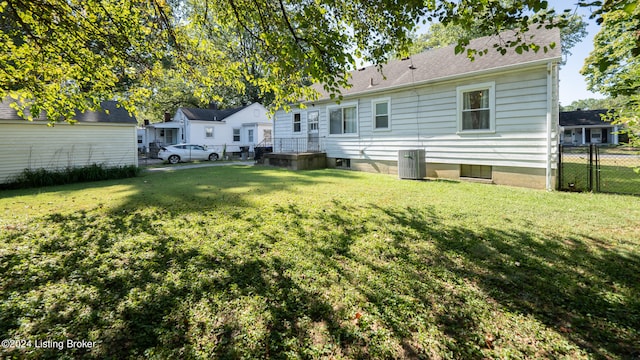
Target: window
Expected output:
[476,108]
[236,135]
[250,135]
[296,122]
[267,134]
[343,163]
[208,132]
[343,120]
[381,114]
[312,120]
[476,171]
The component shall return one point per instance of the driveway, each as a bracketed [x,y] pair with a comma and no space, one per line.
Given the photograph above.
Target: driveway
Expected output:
[158,165]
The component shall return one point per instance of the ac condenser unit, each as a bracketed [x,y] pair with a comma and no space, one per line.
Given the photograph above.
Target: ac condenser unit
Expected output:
[411,164]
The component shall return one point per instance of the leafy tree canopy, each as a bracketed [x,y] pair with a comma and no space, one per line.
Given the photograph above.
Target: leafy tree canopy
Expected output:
[613,67]
[61,55]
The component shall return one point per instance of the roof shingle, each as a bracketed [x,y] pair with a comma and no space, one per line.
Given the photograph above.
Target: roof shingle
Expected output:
[109,113]
[443,63]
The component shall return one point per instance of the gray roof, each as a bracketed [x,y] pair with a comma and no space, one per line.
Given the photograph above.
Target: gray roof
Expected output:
[442,63]
[583,118]
[209,114]
[115,114]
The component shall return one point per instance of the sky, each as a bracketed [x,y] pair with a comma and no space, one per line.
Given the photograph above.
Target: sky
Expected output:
[572,84]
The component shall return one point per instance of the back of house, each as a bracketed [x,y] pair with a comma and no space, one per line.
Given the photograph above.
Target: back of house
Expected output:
[493,119]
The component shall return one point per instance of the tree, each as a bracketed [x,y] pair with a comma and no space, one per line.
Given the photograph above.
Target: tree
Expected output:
[613,67]
[439,35]
[595,104]
[60,55]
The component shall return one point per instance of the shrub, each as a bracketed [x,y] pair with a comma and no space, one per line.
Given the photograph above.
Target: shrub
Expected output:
[42,177]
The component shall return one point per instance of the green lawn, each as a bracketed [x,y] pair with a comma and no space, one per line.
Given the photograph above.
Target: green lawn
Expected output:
[252,262]
[617,174]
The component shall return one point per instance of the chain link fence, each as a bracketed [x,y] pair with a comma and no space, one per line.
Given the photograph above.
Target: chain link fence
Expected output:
[600,168]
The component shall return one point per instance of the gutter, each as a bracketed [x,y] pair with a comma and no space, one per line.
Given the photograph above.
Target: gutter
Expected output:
[550,107]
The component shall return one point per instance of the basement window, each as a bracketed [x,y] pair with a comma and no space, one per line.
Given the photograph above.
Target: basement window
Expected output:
[343,163]
[476,171]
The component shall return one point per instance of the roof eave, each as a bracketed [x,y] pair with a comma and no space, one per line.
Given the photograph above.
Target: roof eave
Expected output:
[506,68]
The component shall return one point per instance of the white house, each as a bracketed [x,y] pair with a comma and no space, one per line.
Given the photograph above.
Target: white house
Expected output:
[105,137]
[494,119]
[584,127]
[232,130]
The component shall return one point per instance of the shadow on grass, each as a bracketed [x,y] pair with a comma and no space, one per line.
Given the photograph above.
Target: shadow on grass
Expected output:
[580,286]
[355,281]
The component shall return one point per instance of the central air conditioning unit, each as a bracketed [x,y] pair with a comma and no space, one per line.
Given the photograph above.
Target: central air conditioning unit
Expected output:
[411,164]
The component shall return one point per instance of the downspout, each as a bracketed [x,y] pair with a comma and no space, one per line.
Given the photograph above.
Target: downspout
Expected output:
[550,117]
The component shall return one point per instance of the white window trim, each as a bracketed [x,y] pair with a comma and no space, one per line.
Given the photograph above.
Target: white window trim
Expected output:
[233,135]
[293,122]
[343,105]
[317,122]
[491,86]
[374,102]
[213,132]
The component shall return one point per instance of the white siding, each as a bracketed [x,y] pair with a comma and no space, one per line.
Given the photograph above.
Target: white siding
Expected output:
[254,117]
[35,145]
[426,117]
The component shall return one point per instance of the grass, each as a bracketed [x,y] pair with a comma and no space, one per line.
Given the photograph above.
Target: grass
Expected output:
[617,174]
[251,262]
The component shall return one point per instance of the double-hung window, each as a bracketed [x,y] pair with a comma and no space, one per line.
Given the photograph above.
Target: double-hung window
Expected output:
[381,114]
[343,120]
[208,132]
[236,135]
[297,122]
[476,108]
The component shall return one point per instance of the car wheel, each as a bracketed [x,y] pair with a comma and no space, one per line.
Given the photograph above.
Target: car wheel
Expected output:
[213,157]
[174,159]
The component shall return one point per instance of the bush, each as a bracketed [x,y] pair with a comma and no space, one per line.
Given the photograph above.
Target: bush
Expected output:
[42,177]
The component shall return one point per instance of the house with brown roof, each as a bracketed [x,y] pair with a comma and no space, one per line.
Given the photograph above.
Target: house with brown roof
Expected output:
[493,119]
[233,130]
[105,137]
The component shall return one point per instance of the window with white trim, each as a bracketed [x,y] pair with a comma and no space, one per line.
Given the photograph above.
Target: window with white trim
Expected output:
[381,114]
[476,108]
[343,120]
[208,132]
[297,122]
[236,135]
[250,135]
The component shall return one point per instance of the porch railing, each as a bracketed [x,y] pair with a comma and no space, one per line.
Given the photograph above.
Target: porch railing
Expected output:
[293,145]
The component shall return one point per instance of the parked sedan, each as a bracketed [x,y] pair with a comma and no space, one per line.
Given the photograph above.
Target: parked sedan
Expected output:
[186,152]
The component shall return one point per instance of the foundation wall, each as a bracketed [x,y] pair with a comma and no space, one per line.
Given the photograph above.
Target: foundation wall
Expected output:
[500,175]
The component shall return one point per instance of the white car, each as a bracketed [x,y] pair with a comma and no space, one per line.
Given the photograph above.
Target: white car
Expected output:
[186,152]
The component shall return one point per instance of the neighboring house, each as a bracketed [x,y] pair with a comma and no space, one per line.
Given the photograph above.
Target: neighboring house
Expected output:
[142,139]
[232,130]
[583,127]
[106,137]
[493,119]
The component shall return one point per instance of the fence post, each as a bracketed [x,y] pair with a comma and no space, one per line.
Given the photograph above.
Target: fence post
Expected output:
[590,181]
[560,167]
[597,160]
